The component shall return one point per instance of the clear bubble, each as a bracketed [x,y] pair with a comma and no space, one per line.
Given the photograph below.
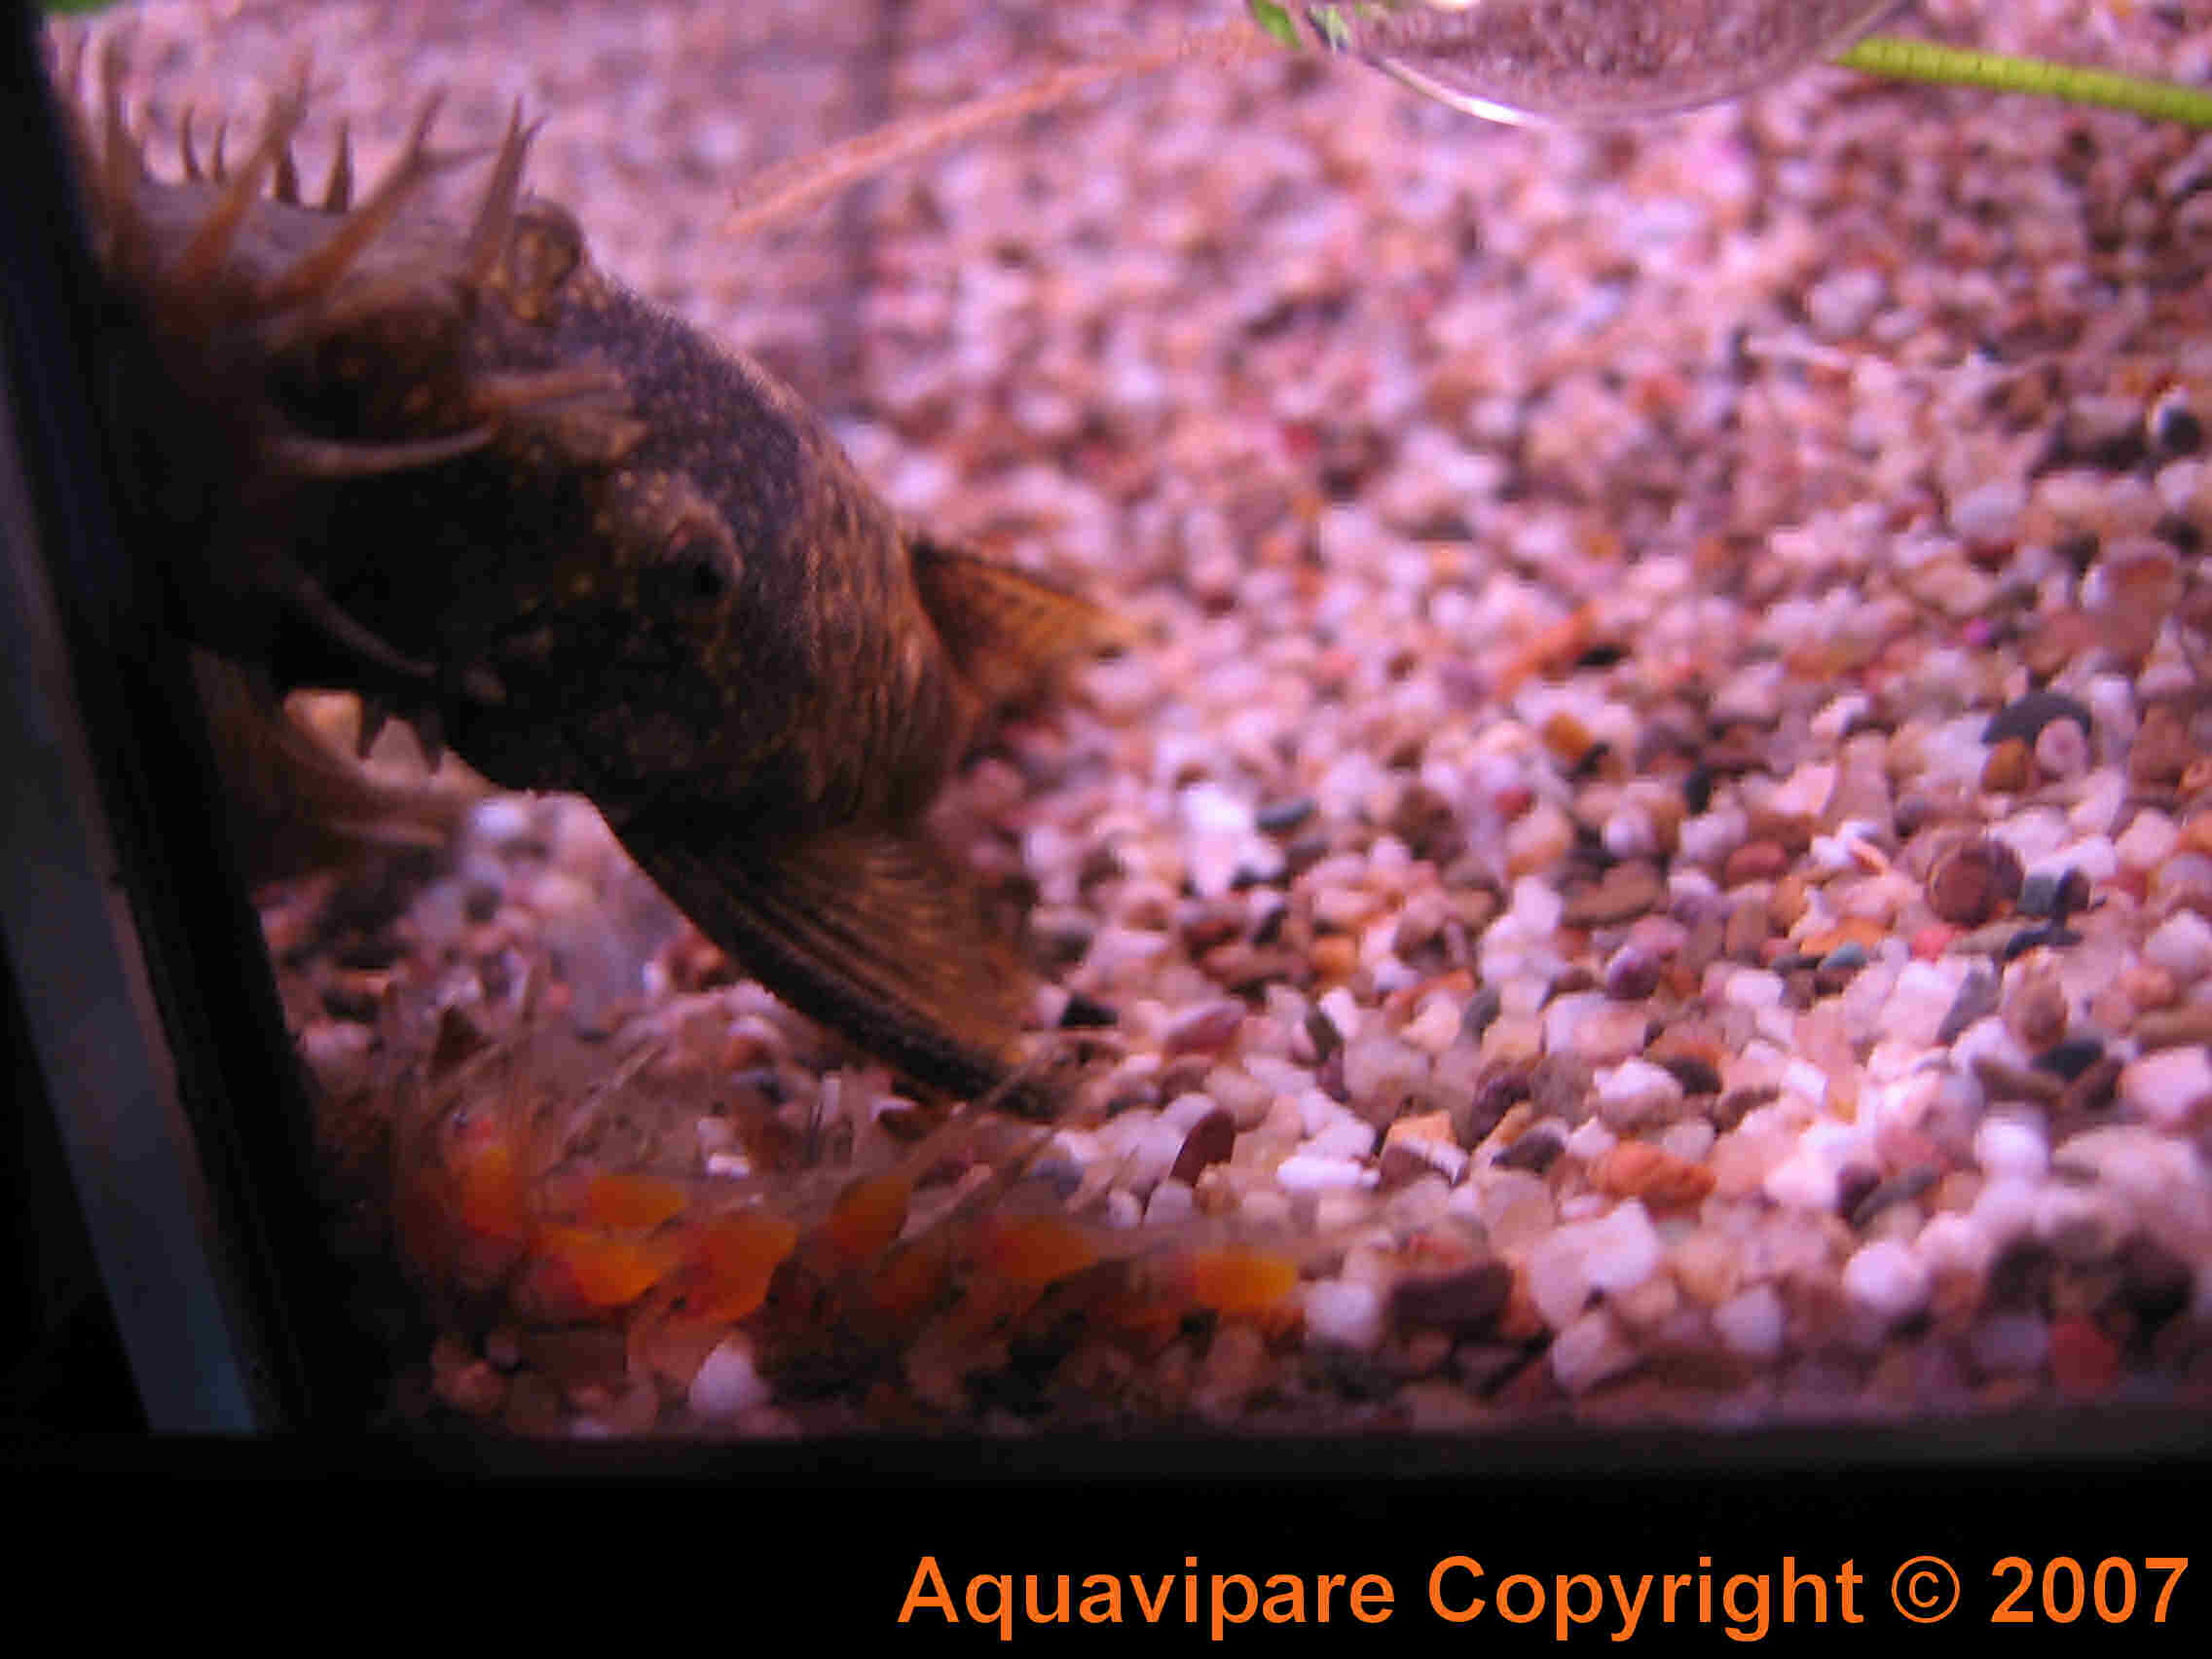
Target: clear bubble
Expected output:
[1590,59]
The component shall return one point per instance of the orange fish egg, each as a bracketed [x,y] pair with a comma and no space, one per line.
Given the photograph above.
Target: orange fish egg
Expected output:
[490,1196]
[639,1201]
[866,1220]
[1233,1280]
[1032,1250]
[604,1270]
[733,1259]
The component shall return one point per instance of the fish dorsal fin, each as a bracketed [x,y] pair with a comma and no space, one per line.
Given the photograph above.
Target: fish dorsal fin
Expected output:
[1008,632]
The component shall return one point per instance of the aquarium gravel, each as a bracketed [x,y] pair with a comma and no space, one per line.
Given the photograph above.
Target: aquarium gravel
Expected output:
[1652,858]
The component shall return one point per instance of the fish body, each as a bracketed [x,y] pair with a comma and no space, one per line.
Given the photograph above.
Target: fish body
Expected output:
[453,465]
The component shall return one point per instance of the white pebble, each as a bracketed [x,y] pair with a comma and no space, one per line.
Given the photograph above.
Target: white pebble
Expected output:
[1301,1173]
[1172,1201]
[1537,907]
[1954,1242]
[2138,1160]
[1751,1322]
[1989,514]
[1751,988]
[1343,1136]
[1435,1026]
[1185,1110]
[728,1382]
[501,819]
[2085,1221]
[1806,1080]
[1592,1025]
[2181,944]
[2004,1210]
[1709,837]
[1842,304]
[2011,1145]
[1917,1003]
[1590,1351]
[1147,1150]
[1342,1012]
[1623,1250]
[2149,841]
[1887,1277]
[2166,1086]
[1806,1179]
[1987,1038]
[2062,749]
[1559,1281]
[1636,1089]
[1689,1140]
[1380,1071]
[1344,1313]
[1590,1140]
[1630,833]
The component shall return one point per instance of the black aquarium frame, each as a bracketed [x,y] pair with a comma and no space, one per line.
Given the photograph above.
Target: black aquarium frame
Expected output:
[177,1307]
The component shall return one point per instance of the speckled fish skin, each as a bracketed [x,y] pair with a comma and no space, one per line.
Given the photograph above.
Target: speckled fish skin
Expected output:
[606,555]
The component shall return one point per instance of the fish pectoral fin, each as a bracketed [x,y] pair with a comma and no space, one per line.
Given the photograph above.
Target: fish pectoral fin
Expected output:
[1007,631]
[873,934]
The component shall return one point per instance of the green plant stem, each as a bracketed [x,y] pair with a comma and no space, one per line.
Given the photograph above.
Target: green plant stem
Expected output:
[1953,66]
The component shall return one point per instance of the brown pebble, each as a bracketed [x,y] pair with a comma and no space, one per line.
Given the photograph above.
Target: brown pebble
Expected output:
[2010,767]
[2162,751]
[1535,1152]
[1749,926]
[2174,1028]
[1240,967]
[1208,1141]
[1211,926]
[1788,900]
[1637,1169]
[1568,738]
[2056,639]
[1699,1041]
[1560,1086]
[1466,1304]
[2035,1008]
[2142,585]
[1694,1072]
[2002,1082]
[1334,957]
[1632,974]
[1206,1030]
[1398,1165]
[1624,892]
[1755,861]
[2092,1092]
[1497,1091]
[1974,882]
